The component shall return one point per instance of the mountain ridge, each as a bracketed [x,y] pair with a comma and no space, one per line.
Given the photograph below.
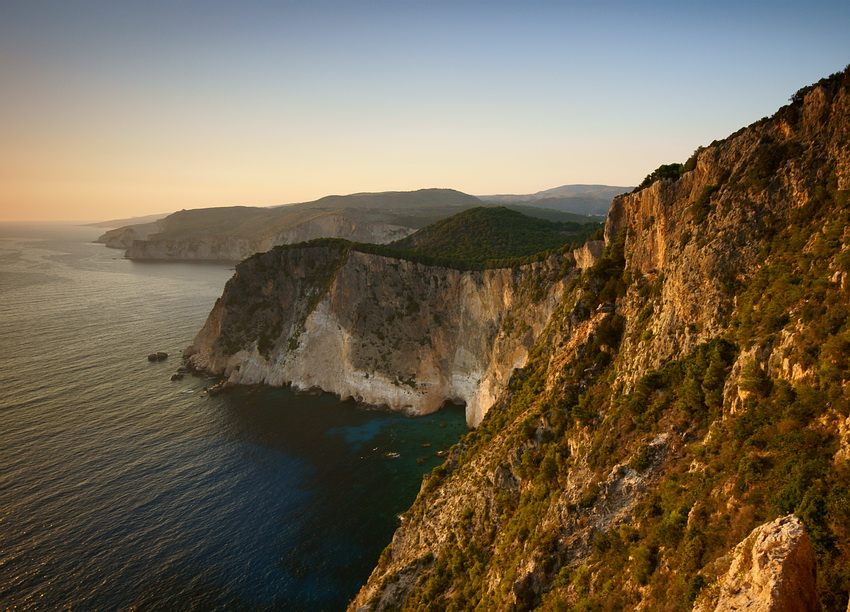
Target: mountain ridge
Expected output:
[232,233]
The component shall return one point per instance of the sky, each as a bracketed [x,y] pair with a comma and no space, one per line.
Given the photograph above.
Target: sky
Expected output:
[124,108]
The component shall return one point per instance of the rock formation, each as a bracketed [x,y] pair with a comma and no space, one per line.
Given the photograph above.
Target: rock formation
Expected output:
[124,237]
[383,331]
[772,570]
[692,385]
[224,247]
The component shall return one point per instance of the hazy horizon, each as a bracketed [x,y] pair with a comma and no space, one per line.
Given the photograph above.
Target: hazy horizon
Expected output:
[118,110]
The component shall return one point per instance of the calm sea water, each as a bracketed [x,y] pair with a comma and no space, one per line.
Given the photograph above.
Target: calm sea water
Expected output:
[122,489]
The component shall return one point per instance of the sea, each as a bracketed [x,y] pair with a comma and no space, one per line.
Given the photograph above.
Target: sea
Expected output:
[121,489]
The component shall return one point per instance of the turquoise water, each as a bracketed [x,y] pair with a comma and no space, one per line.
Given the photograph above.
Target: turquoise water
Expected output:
[121,488]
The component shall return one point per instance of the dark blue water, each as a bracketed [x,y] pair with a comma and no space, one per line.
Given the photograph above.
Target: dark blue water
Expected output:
[120,488]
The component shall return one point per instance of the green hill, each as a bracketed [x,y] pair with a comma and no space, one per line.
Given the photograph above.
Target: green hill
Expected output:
[483,234]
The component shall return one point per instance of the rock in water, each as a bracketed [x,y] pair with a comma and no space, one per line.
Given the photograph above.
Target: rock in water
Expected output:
[773,570]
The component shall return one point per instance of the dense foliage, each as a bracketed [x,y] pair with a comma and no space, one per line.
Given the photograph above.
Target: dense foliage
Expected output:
[662,172]
[486,234]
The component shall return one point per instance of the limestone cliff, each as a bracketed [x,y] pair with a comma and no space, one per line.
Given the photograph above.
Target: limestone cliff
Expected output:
[691,385]
[772,570]
[380,330]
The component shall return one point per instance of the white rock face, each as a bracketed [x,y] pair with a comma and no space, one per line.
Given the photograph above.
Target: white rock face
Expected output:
[382,331]
[589,253]
[772,570]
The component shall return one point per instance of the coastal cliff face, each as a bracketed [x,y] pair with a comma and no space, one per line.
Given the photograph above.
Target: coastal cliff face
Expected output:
[224,247]
[691,385]
[383,331]
[124,237]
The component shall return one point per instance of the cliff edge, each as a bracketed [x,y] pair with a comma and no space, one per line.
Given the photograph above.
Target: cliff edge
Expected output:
[380,330]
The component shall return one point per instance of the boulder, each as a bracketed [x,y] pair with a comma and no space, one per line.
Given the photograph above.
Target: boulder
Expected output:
[772,570]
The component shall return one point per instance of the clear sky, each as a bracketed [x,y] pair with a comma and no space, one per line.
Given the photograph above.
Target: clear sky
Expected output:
[120,108]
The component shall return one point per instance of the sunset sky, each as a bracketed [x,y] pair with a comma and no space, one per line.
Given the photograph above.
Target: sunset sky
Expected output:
[120,108]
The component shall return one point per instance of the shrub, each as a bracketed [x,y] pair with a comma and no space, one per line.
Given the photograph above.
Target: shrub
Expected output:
[662,172]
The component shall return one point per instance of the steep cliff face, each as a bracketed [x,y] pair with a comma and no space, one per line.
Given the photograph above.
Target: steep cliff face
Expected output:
[691,385]
[382,331]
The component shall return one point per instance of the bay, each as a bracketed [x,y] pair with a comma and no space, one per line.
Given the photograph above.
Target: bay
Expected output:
[120,488]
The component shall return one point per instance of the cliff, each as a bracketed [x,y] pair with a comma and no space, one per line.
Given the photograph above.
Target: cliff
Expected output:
[381,330]
[123,237]
[691,385]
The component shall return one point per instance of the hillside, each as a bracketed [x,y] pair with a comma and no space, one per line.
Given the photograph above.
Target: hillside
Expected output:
[550,214]
[234,232]
[678,434]
[484,234]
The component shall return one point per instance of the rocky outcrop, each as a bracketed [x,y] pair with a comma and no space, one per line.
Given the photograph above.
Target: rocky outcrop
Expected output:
[588,254]
[124,237]
[380,330]
[692,241]
[772,570]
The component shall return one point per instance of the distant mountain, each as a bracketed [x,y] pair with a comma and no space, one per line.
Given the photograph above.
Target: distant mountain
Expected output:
[579,199]
[231,233]
[113,223]
[397,200]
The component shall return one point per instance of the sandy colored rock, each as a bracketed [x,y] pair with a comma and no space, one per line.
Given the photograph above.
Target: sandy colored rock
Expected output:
[772,570]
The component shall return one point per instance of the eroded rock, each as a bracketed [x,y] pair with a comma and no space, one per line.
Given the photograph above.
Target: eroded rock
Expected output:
[772,570]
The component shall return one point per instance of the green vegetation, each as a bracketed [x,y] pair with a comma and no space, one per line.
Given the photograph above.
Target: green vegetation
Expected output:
[475,239]
[769,158]
[551,214]
[485,235]
[662,172]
